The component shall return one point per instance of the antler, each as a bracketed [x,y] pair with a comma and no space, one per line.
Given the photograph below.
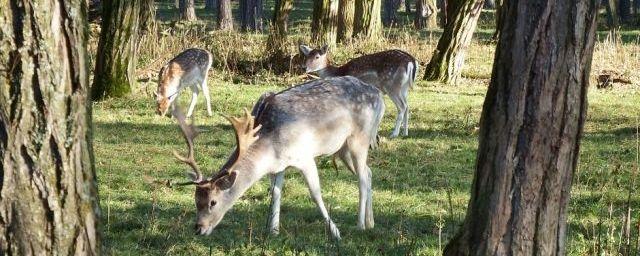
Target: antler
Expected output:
[245,132]
[189,132]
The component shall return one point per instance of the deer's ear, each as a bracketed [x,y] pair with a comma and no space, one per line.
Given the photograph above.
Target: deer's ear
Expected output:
[225,182]
[324,49]
[305,50]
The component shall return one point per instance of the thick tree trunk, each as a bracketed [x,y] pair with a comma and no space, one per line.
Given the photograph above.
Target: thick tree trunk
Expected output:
[426,14]
[210,5]
[188,10]
[498,18]
[115,65]
[367,24]
[530,130]
[49,201]
[277,42]
[324,26]
[447,60]
[346,12]
[624,10]
[225,20]
[391,12]
[147,16]
[251,15]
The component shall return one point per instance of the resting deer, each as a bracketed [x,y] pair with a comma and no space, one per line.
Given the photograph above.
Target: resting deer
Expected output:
[393,72]
[190,69]
[337,116]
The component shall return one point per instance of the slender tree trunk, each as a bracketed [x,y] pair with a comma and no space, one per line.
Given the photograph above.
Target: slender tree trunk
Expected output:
[426,14]
[367,24]
[346,12]
[49,200]
[636,7]
[447,60]
[444,12]
[225,20]
[499,18]
[187,10]
[115,65]
[251,15]
[176,3]
[530,131]
[210,5]
[147,16]
[624,10]
[391,12]
[324,26]
[612,14]
[277,42]
[407,6]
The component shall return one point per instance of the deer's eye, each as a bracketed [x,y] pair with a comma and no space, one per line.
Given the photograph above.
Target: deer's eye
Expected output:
[317,57]
[212,203]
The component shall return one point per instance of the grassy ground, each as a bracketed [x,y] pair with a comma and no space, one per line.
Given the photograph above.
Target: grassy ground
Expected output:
[421,183]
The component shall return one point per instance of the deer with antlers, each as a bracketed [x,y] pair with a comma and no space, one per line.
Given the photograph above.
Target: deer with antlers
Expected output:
[392,71]
[336,116]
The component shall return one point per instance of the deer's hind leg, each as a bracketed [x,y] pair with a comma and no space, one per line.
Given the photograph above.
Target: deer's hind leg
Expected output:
[205,91]
[194,99]
[359,152]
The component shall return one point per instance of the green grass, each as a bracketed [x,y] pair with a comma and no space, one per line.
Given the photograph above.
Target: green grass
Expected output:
[421,183]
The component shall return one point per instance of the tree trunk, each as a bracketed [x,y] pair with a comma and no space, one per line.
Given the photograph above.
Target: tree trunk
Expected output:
[407,6]
[115,65]
[636,7]
[367,24]
[489,4]
[530,130]
[147,16]
[210,5]
[612,14]
[443,13]
[176,3]
[187,10]
[251,15]
[48,190]
[225,20]
[346,12]
[499,18]
[277,42]
[426,14]
[447,60]
[324,26]
[391,12]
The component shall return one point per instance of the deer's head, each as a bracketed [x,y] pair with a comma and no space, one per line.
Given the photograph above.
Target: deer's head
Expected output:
[314,59]
[215,196]
[166,93]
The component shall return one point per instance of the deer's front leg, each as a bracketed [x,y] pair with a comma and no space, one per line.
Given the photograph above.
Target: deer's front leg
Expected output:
[194,99]
[277,181]
[310,173]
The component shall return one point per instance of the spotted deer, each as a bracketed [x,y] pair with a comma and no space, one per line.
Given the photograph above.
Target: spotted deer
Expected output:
[335,116]
[392,71]
[187,69]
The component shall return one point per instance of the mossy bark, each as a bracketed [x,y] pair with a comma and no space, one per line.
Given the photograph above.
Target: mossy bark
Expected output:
[324,26]
[530,128]
[115,65]
[147,16]
[48,190]
[426,14]
[368,24]
[225,18]
[346,12]
[447,60]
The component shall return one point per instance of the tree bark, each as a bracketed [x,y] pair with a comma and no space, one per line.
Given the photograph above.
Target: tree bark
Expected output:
[251,15]
[147,16]
[530,130]
[346,12]
[367,24]
[489,4]
[624,10]
[499,18]
[324,26]
[447,60]
[187,10]
[391,12]
[277,42]
[115,65]
[48,191]
[426,14]
[225,20]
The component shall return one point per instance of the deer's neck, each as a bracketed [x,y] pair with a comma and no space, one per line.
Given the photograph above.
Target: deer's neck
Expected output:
[331,71]
[257,162]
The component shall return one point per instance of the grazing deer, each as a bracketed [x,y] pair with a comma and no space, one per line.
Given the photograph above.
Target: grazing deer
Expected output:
[190,69]
[337,116]
[393,72]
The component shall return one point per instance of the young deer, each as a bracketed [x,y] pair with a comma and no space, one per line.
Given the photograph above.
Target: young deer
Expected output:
[190,69]
[291,128]
[393,72]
